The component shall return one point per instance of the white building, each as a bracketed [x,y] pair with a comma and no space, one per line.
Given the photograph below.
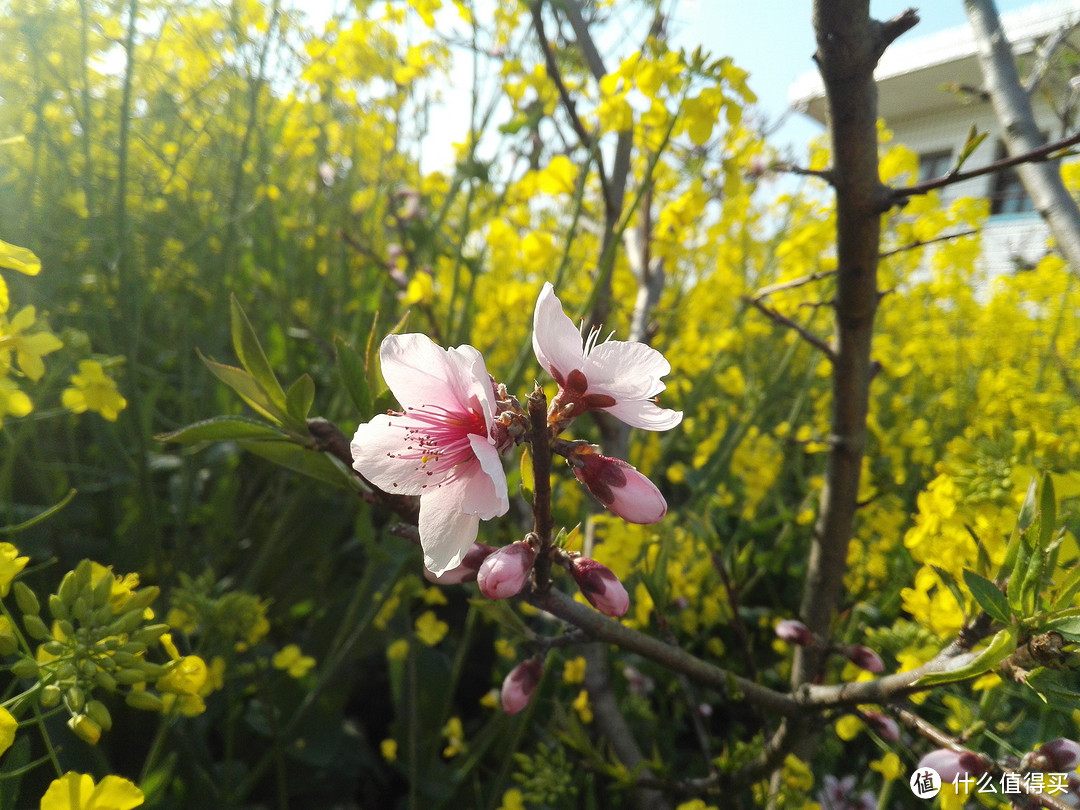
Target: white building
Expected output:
[929,95]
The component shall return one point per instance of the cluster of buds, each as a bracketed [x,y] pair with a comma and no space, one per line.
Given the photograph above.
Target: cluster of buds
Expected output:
[504,572]
[100,634]
[797,633]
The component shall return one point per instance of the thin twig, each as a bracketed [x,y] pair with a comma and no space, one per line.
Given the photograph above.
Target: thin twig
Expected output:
[943,740]
[1045,152]
[764,292]
[568,104]
[918,243]
[790,168]
[802,331]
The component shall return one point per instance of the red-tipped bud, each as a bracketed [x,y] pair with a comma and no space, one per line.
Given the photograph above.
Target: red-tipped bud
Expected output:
[518,687]
[1062,755]
[950,764]
[600,586]
[504,573]
[864,658]
[795,632]
[882,725]
[466,570]
[618,486]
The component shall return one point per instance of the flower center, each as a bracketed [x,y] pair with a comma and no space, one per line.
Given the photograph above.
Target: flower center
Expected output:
[438,440]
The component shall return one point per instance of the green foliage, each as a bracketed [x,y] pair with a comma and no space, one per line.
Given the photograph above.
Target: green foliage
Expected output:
[260,202]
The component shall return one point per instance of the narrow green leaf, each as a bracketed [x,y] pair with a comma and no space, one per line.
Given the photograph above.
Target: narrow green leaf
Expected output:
[300,397]
[1029,508]
[528,482]
[252,357]
[353,371]
[38,518]
[1047,512]
[298,458]
[950,582]
[1068,626]
[244,384]
[1000,647]
[223,428]
[974,138]
[989,596]
[1031,584]
[1068,589]
[500,612]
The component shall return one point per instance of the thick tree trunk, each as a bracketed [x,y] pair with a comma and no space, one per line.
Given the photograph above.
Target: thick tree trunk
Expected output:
[1021,134]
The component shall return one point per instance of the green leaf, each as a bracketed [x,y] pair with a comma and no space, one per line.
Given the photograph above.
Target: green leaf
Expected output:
[1068,589]
[528,482]
[252,357]
[500,612]
[298,458]
[989,596]
[353,370]
[1068,626]
[300,397]
[974,138]
[1000,647]
[222,429]
[38,518]
[244,384]
[1047,512]
[950,582]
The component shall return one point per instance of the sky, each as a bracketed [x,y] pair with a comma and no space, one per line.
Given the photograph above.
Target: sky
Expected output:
[774,41]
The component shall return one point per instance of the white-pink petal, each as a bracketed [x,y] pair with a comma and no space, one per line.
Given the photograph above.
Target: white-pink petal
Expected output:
[375,449]
[419,372]
[556,341]
[446,532]
[626,370]
[645,414]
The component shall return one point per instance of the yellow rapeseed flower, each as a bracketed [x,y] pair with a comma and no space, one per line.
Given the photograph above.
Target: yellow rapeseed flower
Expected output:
[77,791]
[290,659]
[8,724]
[430,629]
[10,565]
[93,391]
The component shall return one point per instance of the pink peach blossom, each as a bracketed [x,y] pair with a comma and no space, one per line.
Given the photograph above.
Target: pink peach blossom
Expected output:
[620,377]
[440,446]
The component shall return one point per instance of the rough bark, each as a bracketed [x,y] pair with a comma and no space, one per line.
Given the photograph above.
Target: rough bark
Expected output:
[1020,132]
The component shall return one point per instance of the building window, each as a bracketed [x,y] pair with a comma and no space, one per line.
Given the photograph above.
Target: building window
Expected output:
[1007,193]
[934,164]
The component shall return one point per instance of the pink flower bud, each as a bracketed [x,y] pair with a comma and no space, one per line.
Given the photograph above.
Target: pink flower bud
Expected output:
[504,573]
[618,486]
[1062,754]
[466,570]
[950,764]
[882,725]
[864,658]
[519,685]
[600,586]
[795,632]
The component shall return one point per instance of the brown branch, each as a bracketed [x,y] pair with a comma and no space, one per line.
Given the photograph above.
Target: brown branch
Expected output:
[918,243]
[1046,152]
[790,168]
[802,331]
[943,740]
[764,292]
[568,104]
[890,30]
[805,701]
